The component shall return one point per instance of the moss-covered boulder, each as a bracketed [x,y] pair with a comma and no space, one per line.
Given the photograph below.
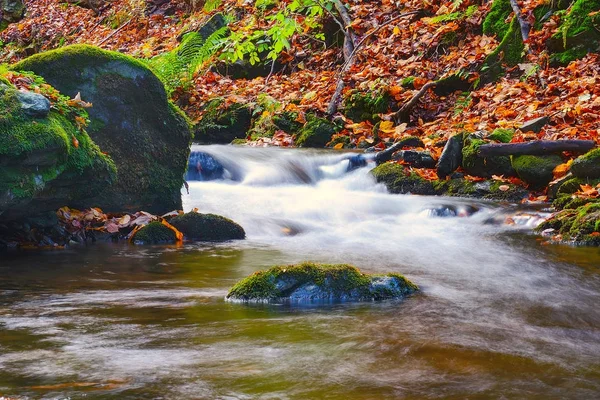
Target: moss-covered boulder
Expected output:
[309,282]
[580,226]
[573,185]
[222,123]
[207,227]
[316,132]
[364,106]
[11,11]
[46,161]
[578,34]
[155,233]
[401,180]
[587,166]
[131,120]
[485,167]
[536,170]
[502,135]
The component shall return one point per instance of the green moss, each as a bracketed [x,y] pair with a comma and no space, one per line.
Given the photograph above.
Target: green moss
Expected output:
[570,202]
[537,171]
[455,187]
[398,179]
[495,21]
[207,227]
[360,106]
[574,184]
[509,51]
[336,281]
[458,15]
[578,33]
[154,233]
[222,123]
[588,165]
[317,132]
[502,135]
[408,82]
[480,166]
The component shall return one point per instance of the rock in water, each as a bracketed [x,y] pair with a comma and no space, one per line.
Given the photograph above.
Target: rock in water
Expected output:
[131,120]
[207,227]
[308,282]
[154,233]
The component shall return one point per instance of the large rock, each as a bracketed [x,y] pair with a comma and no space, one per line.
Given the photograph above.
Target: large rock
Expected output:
[222,123]
[207,227]
[131,120]
[11,11]
[46,162]
[451,157]
[308,282]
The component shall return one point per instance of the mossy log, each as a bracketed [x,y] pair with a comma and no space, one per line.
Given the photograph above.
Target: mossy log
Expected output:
[535,148]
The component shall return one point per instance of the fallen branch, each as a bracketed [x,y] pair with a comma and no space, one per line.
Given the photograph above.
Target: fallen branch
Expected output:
[525,27]
[536,147]
[386,155]
[403,114]
[119,29]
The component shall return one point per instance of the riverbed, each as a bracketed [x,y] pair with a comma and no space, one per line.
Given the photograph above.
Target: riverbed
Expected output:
[500,313]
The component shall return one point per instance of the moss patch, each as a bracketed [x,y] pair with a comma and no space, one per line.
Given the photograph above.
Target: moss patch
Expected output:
[364,106]
[580,226]
[207,227]
[502,135]
[223,123]
[310,281]
[317,132]
[483,166]
[578,33]
[495,22]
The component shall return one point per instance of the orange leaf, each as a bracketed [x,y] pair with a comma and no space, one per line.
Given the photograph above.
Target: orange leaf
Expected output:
[178,234]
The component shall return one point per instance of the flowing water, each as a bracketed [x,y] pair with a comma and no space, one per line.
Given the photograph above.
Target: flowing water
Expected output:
[499,315]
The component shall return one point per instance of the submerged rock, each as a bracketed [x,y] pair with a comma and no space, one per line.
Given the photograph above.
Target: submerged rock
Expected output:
[207,227]
[203,167]
[132,120]
[309,282]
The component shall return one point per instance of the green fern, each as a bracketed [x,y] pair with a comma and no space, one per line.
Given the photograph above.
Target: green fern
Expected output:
[177,67]
[211,5]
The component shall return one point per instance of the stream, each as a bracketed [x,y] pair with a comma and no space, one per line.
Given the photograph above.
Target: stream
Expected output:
[500,314]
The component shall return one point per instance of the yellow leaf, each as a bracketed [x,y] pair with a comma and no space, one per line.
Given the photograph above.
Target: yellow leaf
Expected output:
[396,30]
[339,146]
[386,127]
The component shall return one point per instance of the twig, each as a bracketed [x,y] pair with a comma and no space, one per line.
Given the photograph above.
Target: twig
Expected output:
[524,25]
[270,73]
[115,32]
[403,113]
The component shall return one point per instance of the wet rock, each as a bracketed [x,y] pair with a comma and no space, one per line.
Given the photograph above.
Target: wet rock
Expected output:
[401,180]
[536,170]
[203,167]
[357,161]
[154,233]
[554,186]
[317,132]
[587,166]
[452,210]
[417,159]
[132,120]
[308,282]
[579,226]
[535,125]
[451,157]
[207,227]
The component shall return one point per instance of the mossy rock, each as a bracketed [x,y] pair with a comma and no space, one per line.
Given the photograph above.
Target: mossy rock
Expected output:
[502,135]
[580,226]
[400,180]
[155,233]
[364,106]
[46,162]
[570,202]
[573,185]
[536,170]
[222,123]
[207,227]
[131,120]
[587,166]
[316,132]
[308,282]
[578,34]
[287,122]
[509,52]
[485,167]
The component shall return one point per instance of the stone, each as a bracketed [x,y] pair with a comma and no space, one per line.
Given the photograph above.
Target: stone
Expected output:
[155,233]
[203,167]
[132,120]
[207,227]
[536,170]
[417,159]
[587,166]
[317,132]
[320,283]
[451,158]
[11,11]
[34,104]
[535,125]
[222,124]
